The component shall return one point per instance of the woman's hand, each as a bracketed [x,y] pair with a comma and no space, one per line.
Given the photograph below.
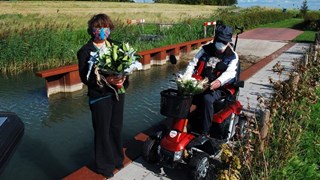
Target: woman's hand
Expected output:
[116,80]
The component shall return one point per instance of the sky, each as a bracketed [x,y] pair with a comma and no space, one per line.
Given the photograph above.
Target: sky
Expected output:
[288,4]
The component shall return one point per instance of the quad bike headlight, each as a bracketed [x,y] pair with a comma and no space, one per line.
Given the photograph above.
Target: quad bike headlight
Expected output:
[177,155]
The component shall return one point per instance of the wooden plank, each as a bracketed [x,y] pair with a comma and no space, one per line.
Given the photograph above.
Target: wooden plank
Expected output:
[57,71]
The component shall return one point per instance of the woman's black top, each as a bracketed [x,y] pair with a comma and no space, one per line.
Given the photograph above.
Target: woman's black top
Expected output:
[94,90]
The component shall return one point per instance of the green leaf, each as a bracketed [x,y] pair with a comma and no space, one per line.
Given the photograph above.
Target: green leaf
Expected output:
[119,68]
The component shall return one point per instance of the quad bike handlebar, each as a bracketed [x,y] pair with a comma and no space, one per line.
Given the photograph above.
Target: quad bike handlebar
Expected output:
[240,31]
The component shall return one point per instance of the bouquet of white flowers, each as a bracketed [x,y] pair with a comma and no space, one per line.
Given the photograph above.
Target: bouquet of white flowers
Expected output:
[115,60]
[190,86]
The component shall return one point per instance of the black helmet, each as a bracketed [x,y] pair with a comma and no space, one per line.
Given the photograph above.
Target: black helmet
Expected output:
[224,33]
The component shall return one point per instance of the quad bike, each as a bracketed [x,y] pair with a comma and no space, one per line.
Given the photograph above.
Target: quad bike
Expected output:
[182,143]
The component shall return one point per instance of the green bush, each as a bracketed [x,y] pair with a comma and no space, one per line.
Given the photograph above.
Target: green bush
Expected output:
[252,17]
[312,21]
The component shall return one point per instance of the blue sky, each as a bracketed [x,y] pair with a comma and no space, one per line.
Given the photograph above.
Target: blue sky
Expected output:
[290,4]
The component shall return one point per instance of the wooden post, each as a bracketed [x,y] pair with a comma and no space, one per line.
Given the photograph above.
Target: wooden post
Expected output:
[294,80]
[306,57]
[264,127]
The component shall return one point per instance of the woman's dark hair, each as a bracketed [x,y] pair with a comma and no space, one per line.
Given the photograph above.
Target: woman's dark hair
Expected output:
[99,21]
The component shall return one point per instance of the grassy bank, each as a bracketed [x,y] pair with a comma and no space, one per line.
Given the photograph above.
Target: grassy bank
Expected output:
[304,161]
[292,147]
[294,141]
[40,35]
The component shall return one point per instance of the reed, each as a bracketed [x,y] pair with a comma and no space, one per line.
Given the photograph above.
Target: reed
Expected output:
[41,35]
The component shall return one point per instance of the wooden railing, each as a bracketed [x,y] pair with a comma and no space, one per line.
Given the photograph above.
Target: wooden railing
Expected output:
[66,78]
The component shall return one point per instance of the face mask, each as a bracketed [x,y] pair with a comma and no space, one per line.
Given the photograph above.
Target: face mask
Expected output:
[101,33]
[221,46]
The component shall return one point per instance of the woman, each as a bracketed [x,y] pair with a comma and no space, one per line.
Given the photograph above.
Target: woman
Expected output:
[106,99]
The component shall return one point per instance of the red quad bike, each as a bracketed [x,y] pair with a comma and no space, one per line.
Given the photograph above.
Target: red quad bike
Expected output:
[182,144]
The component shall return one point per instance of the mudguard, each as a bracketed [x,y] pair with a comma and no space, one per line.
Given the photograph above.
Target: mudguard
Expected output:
[176,141]
[209,145]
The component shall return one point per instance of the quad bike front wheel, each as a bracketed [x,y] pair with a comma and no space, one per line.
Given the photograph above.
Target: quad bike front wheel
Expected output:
[199,166]
[149,150]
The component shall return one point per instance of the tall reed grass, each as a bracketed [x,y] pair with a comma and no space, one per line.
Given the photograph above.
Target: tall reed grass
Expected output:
[36,41]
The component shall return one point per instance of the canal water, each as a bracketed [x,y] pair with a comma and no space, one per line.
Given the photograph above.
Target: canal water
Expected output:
[58,135]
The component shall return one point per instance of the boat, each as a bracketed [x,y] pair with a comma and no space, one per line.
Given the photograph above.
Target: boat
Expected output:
[11,133]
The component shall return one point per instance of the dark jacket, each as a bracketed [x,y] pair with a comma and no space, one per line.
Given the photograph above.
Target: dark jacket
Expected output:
[94,90]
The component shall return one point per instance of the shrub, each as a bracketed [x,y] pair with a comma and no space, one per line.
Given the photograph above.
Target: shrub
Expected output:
[312,21]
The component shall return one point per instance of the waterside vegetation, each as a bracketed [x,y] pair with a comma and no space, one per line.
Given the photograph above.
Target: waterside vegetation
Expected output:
[292,145]
[42,35]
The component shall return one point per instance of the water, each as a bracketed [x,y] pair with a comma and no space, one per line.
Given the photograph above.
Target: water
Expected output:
[58,135]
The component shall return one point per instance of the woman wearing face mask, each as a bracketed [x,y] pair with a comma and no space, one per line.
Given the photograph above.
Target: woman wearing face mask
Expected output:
[106,109]
[220,50]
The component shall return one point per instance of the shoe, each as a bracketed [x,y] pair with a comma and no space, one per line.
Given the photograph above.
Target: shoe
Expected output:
[119,166]
[106,174]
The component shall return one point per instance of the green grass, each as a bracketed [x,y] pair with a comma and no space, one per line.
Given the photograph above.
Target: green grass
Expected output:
[305,161]
[288,23]
[293,23]
[306,36]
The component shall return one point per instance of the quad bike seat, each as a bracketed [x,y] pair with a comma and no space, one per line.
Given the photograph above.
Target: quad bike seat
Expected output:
[229,95]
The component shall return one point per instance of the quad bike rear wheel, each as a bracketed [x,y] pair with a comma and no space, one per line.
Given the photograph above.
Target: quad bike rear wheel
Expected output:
[199,166]
[242,128]
[149,150]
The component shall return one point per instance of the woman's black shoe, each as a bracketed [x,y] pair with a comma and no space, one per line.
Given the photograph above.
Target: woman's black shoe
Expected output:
[119,166]
[106,174]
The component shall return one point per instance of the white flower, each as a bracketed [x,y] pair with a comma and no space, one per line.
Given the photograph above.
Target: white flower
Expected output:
[188,85]
[117,59]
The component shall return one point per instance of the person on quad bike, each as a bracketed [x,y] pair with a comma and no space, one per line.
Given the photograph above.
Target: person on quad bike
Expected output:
[204,64]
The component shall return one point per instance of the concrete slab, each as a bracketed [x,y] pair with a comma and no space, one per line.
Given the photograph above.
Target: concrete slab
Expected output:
[140,169]
[259,48]
[259,84]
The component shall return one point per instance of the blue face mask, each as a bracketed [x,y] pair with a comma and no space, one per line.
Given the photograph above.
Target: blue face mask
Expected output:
[101,33]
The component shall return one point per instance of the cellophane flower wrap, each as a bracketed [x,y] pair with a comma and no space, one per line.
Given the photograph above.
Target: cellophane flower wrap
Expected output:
[190,86]
[118,59]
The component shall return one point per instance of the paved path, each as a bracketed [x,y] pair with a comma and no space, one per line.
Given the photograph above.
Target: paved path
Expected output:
[270,50]
[275,34]
[256,85]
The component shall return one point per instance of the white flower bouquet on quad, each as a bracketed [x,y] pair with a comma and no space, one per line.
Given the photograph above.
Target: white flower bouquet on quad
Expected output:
[190,86]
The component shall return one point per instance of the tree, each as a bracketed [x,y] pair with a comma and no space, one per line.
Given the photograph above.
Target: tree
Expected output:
[205,2]
[304,8]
